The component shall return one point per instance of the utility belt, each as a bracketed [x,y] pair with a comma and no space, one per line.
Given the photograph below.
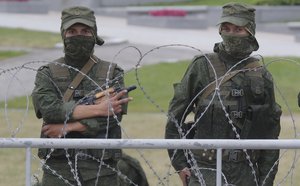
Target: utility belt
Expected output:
[80,154]
[228,155]
[84,154]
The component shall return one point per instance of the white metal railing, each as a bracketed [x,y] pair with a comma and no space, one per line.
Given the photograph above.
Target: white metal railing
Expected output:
[29,143]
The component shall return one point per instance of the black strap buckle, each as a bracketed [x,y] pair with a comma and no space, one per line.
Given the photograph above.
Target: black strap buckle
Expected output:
[80,155]
[233,155]
[78,93]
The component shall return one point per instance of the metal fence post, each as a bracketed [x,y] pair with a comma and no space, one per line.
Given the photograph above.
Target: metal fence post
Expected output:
[28,167]
[219,167]
[218,144]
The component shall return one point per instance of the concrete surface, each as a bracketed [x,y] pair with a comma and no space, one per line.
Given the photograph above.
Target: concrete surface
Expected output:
[271,44]
[119,35]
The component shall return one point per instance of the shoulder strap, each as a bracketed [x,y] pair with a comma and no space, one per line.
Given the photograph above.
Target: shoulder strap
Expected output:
[212,85]
[78,78]
[58,70]
[215,63]
[104,67]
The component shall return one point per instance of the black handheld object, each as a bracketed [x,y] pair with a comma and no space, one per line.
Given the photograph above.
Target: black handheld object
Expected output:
[89,100]
[131,88]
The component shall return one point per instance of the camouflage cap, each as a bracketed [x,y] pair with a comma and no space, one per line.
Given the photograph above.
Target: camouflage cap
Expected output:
[77,14]
[238,14]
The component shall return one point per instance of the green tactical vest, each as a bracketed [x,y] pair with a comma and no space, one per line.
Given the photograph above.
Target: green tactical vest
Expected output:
[236,94]
[242,94]
[62,78]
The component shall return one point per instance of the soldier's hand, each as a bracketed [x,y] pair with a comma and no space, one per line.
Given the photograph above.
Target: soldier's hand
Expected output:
[54,130]
[59,130]
[112,103]
[184,175]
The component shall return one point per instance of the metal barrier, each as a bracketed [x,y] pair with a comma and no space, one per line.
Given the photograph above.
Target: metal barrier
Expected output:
[29,143]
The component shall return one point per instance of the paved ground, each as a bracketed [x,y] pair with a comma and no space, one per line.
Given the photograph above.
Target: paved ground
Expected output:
[117,28]
[118,36]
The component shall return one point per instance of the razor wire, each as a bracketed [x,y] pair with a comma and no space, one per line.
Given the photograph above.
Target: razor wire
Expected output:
[162,180]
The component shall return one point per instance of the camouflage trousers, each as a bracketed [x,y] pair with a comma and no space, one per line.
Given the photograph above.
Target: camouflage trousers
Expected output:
[51,180]
[58,172]
[234,174]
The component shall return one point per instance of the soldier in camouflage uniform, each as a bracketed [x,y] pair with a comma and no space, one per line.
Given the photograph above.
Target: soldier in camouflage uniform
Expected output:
[243,108]
[75,166]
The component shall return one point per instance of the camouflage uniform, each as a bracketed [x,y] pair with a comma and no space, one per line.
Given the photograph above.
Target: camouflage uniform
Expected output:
[247,97]
[131,167]
[50,84]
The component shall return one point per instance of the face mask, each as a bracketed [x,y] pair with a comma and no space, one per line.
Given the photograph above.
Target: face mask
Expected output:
[78,49]
[238,46]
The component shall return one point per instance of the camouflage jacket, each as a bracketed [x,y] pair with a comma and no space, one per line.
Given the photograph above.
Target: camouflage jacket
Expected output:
[257,92]
[48,101]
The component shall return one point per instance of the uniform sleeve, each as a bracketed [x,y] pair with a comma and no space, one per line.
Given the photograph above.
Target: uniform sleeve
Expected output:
[180,107]
[267,162]
[47,99]
[100,125]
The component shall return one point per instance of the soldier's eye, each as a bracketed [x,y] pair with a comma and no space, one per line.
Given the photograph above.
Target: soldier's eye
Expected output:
[86,32]
[239,30]
[225,29]
[70,31]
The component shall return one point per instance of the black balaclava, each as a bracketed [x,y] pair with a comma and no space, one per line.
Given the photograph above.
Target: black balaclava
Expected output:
[78,49]
[234,46]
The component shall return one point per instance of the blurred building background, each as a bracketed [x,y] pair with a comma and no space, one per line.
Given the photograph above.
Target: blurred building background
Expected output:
[43,6]
[279,19]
